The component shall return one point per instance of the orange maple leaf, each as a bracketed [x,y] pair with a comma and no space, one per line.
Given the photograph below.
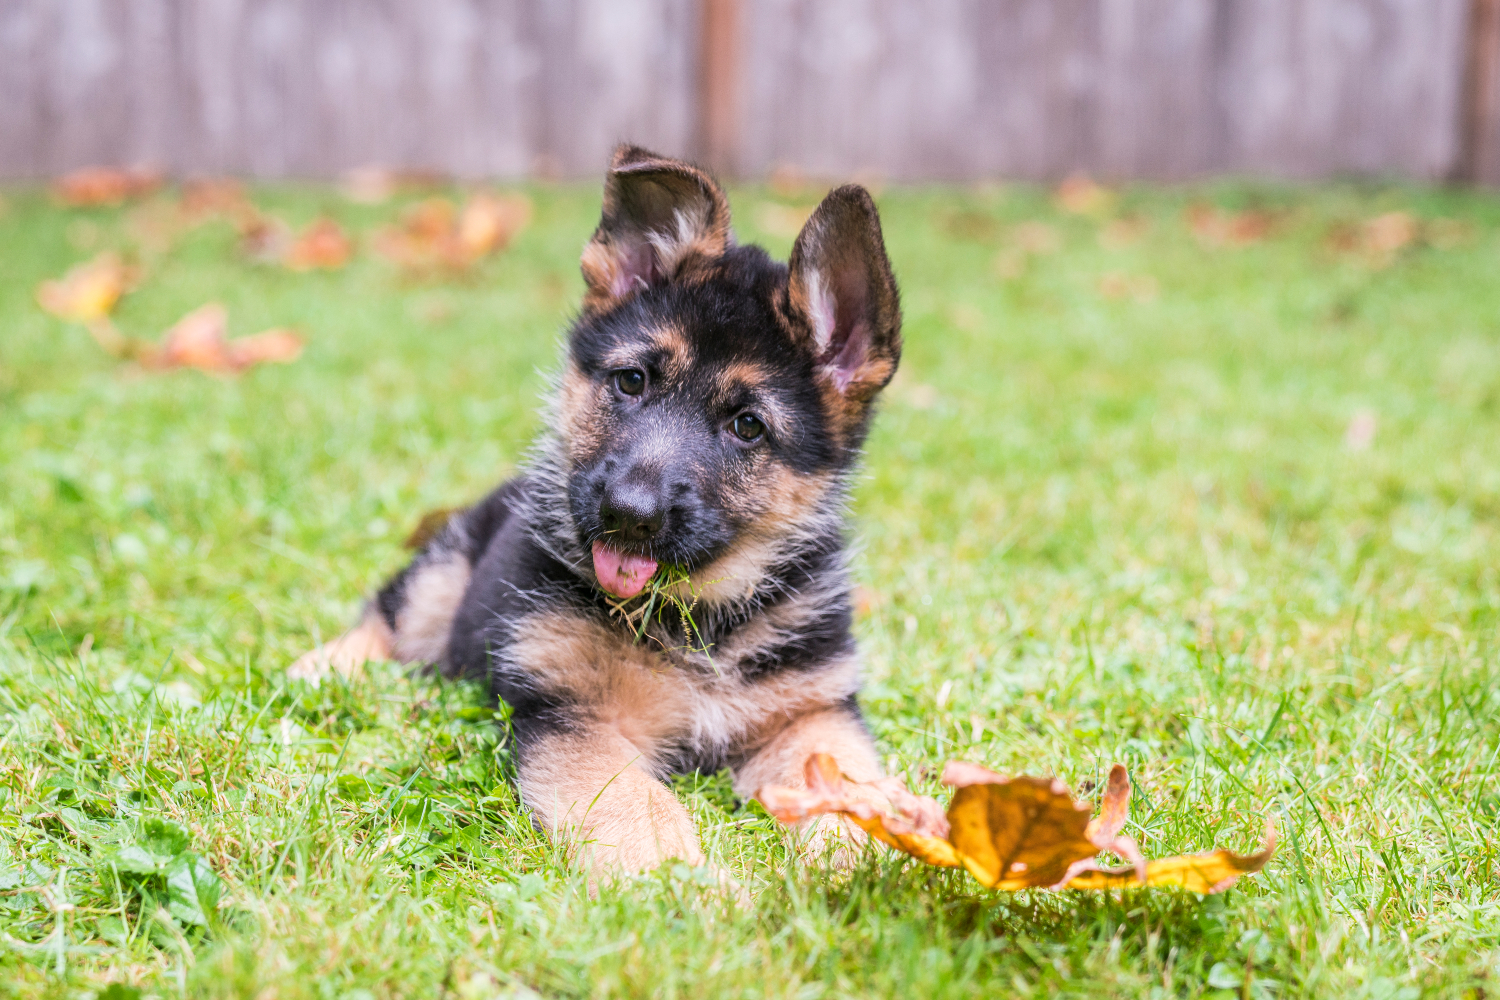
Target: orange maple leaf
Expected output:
[104,186]
[1008,832]
[435,235]
[323,244]
[201,340]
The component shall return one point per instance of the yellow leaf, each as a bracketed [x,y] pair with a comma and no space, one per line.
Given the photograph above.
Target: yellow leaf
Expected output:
[1209,872]
[1009,833]
[87,292]
[1015,833]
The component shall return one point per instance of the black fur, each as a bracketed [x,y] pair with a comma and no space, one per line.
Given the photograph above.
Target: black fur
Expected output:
[529,542]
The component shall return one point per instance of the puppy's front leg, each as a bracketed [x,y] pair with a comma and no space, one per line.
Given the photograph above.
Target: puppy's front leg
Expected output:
[839,732]
[591,785]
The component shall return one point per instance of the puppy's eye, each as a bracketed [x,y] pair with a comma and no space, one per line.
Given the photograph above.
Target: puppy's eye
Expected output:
[747,427]
[630,381]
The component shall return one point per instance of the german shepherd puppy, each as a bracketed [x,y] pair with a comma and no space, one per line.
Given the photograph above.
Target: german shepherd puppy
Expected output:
[665,586]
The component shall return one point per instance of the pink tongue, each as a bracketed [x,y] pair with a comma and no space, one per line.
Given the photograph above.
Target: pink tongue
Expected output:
[620,574]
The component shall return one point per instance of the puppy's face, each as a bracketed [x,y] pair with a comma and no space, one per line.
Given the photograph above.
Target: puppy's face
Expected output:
[712,396]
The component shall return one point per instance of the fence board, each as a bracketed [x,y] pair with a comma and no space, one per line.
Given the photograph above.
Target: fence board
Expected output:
[943,89]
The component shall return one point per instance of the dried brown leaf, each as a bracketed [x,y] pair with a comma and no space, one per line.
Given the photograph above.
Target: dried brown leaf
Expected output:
[1078,194]
[274,346]
[1209,872]
[489,222]
[1015,833]
[200,340]
[89,291]
[1212,226]
[323,244]
[434,235]
[1008,832]
[1385,234]
[92,186]
[884,809]
[264,238]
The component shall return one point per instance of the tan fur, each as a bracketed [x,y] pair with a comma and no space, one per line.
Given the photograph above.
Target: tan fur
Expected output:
[601,273]
[676,349]
[772,500]
[591,788]
[369,640]
[576,405]
[782,761]
[638,702]
[639,692]
[739,373]
[432,595]
[676,353]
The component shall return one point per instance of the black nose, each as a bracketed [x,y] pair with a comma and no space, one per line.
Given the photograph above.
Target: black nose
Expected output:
[632,511]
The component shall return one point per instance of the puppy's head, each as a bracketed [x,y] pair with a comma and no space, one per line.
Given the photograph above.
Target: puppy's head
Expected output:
[712,398]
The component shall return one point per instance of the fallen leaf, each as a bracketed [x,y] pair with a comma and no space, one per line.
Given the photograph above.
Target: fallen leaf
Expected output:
[89,291]
[198,340]
[1015,833]
[208,196]
[1206,873]
[264,238]
[488,223]
[1078,194]
[323,244]
[104,186]
[1381,239]
[1008,832]
[1385,234]
[201,340]
[156,224]
[274,346]
[435,235]
[884,809]
[1212,226]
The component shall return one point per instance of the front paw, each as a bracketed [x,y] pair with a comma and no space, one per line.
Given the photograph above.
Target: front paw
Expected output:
[369,640]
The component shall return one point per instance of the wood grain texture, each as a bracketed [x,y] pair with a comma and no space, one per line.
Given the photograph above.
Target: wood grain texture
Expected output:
[1479,159]
[945,89]
[1129,88]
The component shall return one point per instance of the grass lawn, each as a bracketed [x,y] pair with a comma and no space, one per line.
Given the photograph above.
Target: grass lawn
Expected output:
[1116,507]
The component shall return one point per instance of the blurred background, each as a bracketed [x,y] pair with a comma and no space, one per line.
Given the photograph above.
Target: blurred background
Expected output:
[942,90]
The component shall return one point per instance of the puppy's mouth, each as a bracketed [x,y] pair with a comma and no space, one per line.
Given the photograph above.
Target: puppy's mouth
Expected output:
[621,573]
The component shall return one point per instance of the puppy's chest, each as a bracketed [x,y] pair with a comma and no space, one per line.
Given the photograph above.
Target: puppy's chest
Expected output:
[656,688]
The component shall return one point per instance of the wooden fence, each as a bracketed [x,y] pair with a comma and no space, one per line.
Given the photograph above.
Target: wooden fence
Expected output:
[946,89]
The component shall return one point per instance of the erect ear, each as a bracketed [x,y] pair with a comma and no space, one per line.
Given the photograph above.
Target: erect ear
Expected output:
[842,286]
[660,216]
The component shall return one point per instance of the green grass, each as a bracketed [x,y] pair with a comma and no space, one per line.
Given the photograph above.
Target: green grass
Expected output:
[1092,529]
